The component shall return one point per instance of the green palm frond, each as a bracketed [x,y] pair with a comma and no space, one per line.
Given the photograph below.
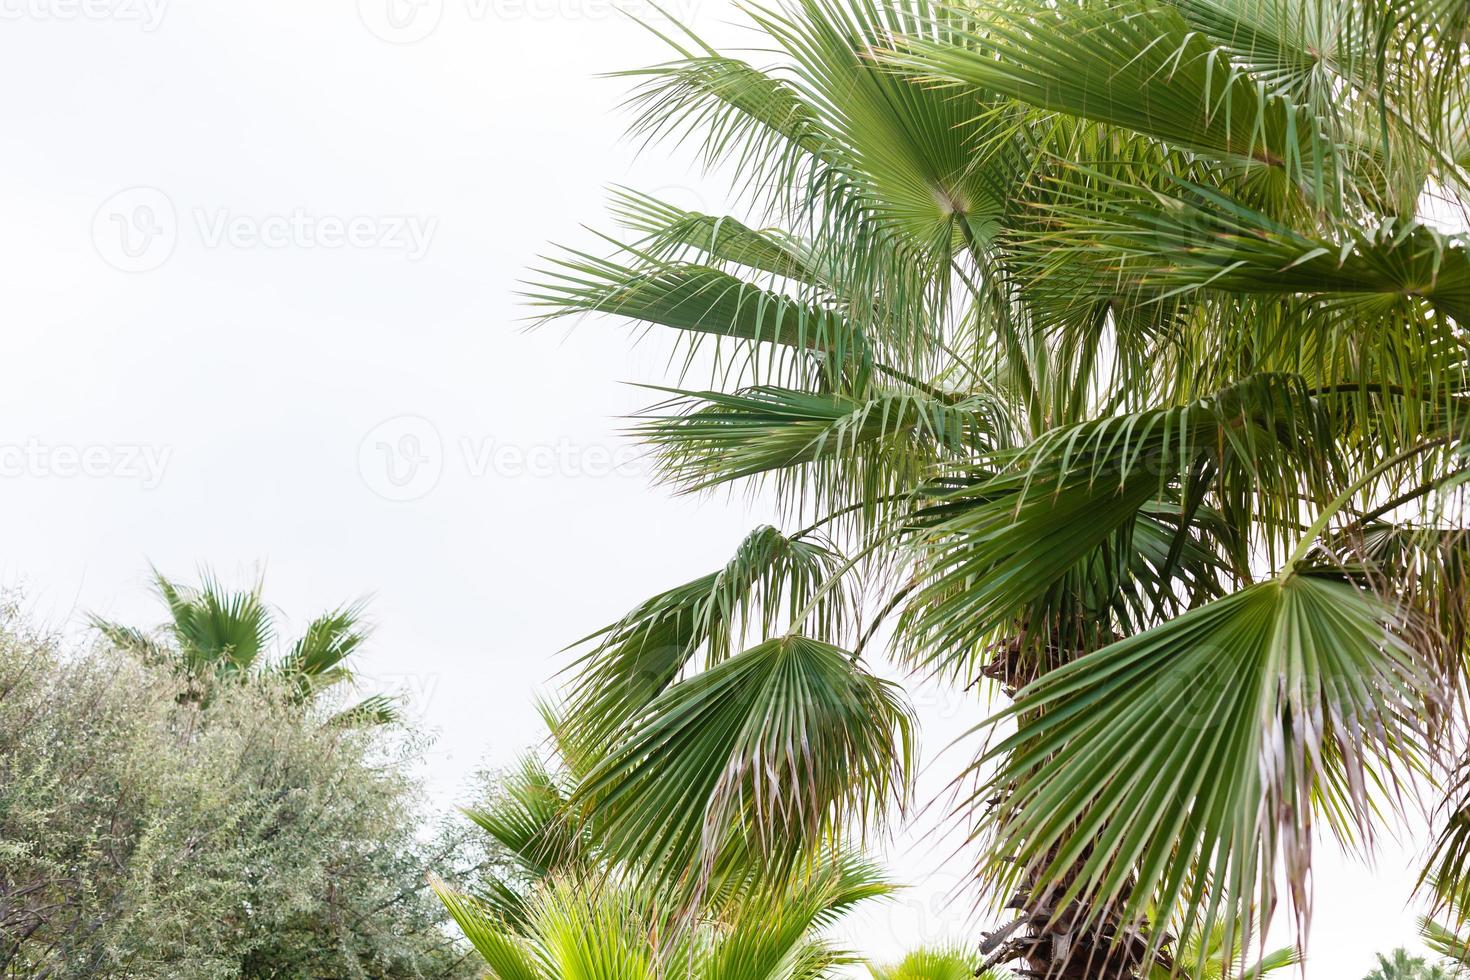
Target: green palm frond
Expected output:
[882,178]
[1004,544]
[773,931]
[672,233]
[1219,953]
[1117,504]
[1202,747]
[700,299]
[770,582]
[599,934]
[1448,868]
[1445,941]
[1402,965]
[1293,47]
[929,163]
[214,628]
[216,632]
[1427,560]
[829,449]
[508,955]
[379,709]
[1061,322]
[531,817]
[742,116]
[609,929]
[316,659]
[141,644]
[1135,65]
[1345,65]
[1197,238]
[782,746]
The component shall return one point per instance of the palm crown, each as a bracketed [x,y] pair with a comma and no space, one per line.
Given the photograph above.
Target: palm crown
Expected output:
[214,632]
[1108,345]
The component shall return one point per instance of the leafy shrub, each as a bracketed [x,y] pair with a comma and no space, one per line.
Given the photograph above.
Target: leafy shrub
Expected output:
[144,833]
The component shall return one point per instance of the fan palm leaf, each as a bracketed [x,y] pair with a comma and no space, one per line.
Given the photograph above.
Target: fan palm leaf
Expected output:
[783,745]
[1210,743]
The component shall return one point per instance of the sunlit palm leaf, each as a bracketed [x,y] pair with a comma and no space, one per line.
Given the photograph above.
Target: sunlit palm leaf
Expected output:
[579,928]
[508,955]
[936,964]
[773,931]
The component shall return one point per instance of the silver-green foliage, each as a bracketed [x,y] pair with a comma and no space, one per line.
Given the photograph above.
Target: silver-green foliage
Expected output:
[146,834]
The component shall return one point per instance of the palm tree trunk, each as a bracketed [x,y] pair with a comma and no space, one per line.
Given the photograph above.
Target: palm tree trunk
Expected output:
[1076,944]
[1080,942]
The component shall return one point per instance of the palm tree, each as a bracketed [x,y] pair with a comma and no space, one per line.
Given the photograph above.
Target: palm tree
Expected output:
[569,907]
[1104,356]
[215,633]
[1399,965]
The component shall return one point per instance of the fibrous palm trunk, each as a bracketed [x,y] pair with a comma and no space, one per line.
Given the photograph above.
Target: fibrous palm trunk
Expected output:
[1079,942]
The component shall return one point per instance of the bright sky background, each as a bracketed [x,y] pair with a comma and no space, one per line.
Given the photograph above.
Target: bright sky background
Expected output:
[258,258]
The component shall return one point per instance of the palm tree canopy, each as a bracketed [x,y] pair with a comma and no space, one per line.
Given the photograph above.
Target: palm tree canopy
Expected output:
[213,631]
[1113,352]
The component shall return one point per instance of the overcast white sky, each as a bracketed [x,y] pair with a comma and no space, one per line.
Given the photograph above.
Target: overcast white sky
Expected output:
[258,265]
